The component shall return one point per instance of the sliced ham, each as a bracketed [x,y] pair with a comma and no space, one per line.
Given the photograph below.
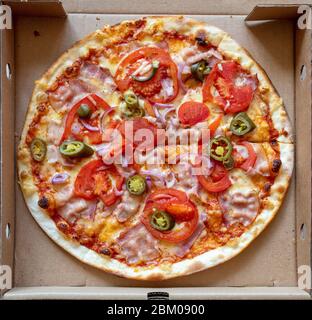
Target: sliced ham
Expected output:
[68,93]
[55,131]
[94,71]
[77,208]
[54,156]
[138,245]
[239,204]
[63,195]
[261,165]
[206,55]
[182,248]
[127,208]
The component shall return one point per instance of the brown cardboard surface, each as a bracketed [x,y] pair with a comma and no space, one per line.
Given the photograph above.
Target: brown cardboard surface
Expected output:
[219,7]
[269,261]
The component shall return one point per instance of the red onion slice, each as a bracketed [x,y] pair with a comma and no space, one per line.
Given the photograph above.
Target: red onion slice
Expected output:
[60,178]
[88,126]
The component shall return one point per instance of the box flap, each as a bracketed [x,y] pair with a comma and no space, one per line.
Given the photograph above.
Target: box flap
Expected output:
[273,12]
[48,8]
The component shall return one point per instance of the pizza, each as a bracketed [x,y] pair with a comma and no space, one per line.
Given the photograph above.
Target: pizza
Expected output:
[155,148]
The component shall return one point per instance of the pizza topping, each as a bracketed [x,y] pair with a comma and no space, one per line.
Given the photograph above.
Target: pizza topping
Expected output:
[239,205]
[77,208]
[192,112]
[68,93]
[38,149]
[43,202]
[218,181]
[200,70]
[234,88]
[276,165]
[54,133]
[127,207]
[241,124]
[60,178]
[131,107]
[94,180]
[161,220]
[176,204]
[75,149]
[91,124]
[149,86]
[252,156]
[137,245]
[155,66]
[229,163]
[136,185]
[84,111]
[220,148]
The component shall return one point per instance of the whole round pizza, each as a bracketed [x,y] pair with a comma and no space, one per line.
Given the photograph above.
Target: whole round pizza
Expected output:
[155,148]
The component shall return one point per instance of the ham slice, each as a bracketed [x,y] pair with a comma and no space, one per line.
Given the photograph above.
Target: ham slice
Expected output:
[63,195]
[94,71]
[55,131]
[138,245]
[77,208]
[127,208]
[182,248]
[240,204]
[68,93]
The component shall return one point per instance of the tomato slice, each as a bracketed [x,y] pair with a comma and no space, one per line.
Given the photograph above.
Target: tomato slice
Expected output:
[149,89]
[94,102]
[92,182]
[218,181]
[213,126]
[176,203]
[252,156]
[192,112]
[230,80]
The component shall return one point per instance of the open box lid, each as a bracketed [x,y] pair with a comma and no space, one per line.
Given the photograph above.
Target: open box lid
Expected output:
[303,101]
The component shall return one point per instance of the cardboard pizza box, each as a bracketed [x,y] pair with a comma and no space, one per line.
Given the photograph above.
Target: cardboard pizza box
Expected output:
[271,267]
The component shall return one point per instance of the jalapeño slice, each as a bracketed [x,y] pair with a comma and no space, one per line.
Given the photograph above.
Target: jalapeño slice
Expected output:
[161,220]
[136,185]
[199,70]
[75,149]
[220,148]
[38,149]
[241,124]
[155,66]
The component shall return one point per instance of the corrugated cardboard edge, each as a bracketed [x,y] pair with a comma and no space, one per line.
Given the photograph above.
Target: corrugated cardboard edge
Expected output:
[47,8]
[7,185]
[211,293]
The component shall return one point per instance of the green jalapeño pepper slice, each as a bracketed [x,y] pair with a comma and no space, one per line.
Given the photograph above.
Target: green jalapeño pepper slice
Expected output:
[241,124]
[38,149]
[131,111]
[229,163]
[75,149]
[84,111]
[161,220]
[136,185]
[220,148]
[155,66]
[131,99]
[200,70]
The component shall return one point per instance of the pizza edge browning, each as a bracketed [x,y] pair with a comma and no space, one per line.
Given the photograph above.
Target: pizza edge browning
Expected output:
[207,259]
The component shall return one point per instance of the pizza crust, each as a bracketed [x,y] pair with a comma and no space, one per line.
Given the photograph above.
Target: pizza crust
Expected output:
[187,266]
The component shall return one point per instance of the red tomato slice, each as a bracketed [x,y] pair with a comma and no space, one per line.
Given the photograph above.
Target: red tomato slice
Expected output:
[176,203]
[217,182]
[213,126]
[232,97]
[94,137]
[217,186]
[91,183]
[252,156]
[192,112]
[152,87]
